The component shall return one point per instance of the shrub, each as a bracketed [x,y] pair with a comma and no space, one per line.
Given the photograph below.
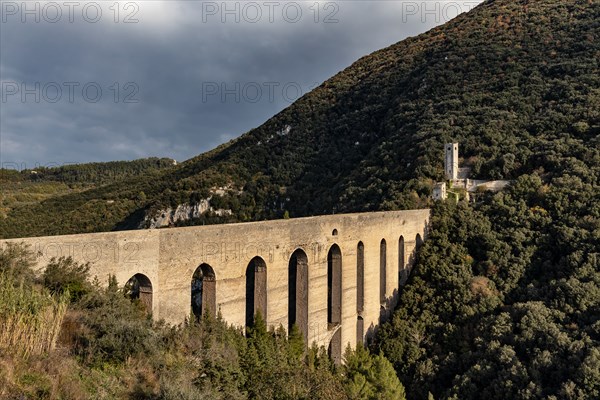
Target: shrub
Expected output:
[65,275]
[16,262]
[113,328]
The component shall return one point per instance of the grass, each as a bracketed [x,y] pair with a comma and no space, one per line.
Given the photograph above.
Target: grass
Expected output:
[30,319]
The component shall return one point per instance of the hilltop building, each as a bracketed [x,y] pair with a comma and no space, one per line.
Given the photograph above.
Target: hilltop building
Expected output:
[439,191]
[451,161]
[458,184]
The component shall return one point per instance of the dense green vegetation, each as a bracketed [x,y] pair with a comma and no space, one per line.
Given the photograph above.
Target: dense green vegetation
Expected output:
[90,173]
[27,188]
[109,348]
[515,82]
[505,300]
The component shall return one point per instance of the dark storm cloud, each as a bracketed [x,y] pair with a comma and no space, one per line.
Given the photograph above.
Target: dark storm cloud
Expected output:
[187,76]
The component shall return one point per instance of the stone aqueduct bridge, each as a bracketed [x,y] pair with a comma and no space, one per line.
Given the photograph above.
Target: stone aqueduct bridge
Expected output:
[334,276]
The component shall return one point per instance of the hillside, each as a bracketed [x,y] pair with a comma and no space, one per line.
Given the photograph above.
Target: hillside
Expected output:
[515,82]
[26,188]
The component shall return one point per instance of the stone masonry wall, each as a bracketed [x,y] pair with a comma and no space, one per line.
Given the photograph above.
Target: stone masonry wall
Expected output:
[169,257]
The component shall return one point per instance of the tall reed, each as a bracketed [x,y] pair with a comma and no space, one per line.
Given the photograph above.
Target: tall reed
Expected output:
[30,318]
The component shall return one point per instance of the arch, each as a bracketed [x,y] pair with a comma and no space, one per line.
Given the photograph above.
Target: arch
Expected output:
[360,291]
[401,261]
[256,289]
[139,287]
[334,300]
[203,293]
[334,232]
[360,277]
[418,241]
[382,271]
[298,292]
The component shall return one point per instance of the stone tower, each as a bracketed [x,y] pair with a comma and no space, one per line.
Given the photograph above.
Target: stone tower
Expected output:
[451,161]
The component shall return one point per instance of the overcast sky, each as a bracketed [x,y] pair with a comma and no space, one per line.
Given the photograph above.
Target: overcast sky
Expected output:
[101,81]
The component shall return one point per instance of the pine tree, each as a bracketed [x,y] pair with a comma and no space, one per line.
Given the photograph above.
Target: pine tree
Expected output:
[370,377]
[296,343]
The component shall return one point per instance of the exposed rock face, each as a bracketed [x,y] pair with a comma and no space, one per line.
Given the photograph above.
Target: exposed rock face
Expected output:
[183,212]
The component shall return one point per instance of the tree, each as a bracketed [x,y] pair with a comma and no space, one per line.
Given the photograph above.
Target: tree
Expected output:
[370,377]
[65,275]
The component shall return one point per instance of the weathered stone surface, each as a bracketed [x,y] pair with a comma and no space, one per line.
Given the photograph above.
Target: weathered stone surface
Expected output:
[169,258]
[183,212]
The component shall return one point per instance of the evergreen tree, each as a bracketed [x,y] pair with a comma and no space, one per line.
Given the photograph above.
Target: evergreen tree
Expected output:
[370,377]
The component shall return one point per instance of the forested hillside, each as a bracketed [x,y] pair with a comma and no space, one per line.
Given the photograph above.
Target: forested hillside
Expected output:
[505,300]
[29,187]
[515,82]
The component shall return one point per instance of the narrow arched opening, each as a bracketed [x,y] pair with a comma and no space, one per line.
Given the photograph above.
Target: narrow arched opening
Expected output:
[139,288]
[401,262]
[298,292]
[382,271]
[334,286]
[256,290]
[360,291]
[360,277]
[418,241]
[334,300]
[204,294]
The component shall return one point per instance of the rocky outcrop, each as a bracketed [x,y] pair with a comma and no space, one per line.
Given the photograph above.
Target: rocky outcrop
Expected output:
[183,212]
